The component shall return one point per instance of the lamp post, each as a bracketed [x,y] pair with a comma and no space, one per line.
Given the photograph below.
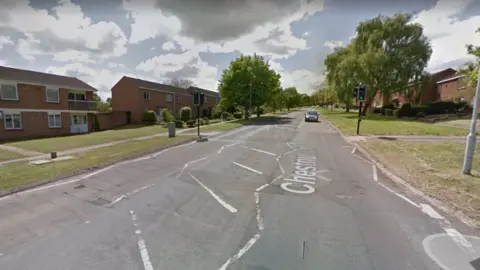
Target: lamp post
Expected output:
[472,136]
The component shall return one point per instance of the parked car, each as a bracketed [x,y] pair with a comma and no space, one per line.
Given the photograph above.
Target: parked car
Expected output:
[311,116]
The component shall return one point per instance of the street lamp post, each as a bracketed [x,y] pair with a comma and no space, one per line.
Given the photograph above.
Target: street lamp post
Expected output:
[250,105]
[472,136]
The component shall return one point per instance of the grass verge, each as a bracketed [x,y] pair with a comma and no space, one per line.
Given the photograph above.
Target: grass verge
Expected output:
[379,125]
[20,174]
[69,142]
[435,168]
[8,155]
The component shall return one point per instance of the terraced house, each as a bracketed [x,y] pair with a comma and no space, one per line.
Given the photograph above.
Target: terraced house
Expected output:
[35,104]
[134,96]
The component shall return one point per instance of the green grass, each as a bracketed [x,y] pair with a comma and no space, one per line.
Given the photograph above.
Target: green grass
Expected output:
[379,125]
[19,174]
[435,168]
[69,142]
[8,155]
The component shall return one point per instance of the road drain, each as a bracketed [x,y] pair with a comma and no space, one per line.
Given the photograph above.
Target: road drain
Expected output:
[79,186]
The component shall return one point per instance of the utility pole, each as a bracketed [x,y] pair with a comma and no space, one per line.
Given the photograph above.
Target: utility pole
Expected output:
[250,105]
[472,136]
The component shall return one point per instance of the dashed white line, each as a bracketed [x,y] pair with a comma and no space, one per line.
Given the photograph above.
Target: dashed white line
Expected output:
[215,196]
[262,187]
[147,265]
[188,163]
[259,212]
[375,174]
[291,147]
[427,209]
[129,194]
[354,149]
[280,165]
[242,251]
[399,195]
[248,168]
[459,239]
[221,149]
[260,151]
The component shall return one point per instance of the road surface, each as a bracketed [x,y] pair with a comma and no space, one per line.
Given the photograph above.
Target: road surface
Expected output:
[276,195]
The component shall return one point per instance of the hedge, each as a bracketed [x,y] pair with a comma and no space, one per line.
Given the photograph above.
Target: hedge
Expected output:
[149,117]
[185,114]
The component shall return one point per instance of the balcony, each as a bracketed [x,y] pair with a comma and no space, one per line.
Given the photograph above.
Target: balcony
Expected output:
[82,105]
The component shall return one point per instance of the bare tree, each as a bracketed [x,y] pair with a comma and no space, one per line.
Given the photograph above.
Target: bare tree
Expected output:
[178,82]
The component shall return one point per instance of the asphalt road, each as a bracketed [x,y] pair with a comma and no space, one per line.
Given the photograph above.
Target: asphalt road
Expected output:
[277,195]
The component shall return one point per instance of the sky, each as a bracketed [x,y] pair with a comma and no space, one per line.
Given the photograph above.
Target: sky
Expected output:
[156,40]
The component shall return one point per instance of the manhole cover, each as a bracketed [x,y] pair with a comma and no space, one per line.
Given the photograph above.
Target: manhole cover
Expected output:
[100,201]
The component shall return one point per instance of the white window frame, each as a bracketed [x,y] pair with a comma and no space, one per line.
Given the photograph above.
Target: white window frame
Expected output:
[1,91]
[169,98]
[11,114]
[147,95]
[55,122]
[52,89]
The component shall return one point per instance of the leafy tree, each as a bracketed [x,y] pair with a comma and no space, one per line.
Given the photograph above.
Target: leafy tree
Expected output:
[471,68]
[102,106]
[276,100]
[292,97]
[181,83]
[248,79]
[389,53]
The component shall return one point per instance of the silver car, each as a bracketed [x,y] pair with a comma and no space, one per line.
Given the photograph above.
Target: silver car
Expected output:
[311,116]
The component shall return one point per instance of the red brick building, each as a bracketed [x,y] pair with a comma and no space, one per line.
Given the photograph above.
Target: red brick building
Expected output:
[35,104]
[134,96]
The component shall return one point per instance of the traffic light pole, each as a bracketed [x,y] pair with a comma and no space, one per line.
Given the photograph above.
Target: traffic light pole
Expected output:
[198,119]
[359,117]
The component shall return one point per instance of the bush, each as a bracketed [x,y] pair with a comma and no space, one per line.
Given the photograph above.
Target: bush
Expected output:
[185,114]
[226,115]
[202,122]
[213,121]
[149,117]
[167,117]
[389,106]
[260,110]
[238,115]
[377,110]
[420,115]
[395,113]
[407,110]
[216,112]
[441,107]
[206,121]
[191,123]
[179,124]
[388,112]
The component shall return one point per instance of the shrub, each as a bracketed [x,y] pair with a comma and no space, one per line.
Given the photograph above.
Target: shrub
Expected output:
[388,112]
[179,124]
[420,115]
[226,115]
[206,121]
[213,121]
[395,113]
[377,110]
[441,107]
[191,123]
[216,112]
[389,106]
[407,110]
[202,122]
[238,115]
[260,110]
[167,117]
[149,117]
[185,114]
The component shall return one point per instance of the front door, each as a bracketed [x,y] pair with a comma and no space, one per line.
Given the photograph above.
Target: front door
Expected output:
[78,123]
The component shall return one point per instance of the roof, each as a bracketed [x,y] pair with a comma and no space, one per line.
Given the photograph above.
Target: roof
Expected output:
[155,86]
[192,89]
[440,71]
[451,79]
[40,78]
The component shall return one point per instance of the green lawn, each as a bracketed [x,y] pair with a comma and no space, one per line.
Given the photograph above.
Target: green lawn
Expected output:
[435,168]
[379,125]
[69,142]
[18,174]
[8,155]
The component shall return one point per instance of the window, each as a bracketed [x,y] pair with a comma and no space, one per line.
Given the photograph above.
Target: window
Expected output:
[12,120]
[79,119]
[169,98]
[147,95]
[54,120]
[77,96]
[177,99]
[8,92]
[52,95]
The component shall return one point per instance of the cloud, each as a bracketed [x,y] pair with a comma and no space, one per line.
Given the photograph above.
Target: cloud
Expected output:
[168,46]
[187,65]
[304,80]
[4,40]
[448,33]
[64,33]
[306,34]
[332,44]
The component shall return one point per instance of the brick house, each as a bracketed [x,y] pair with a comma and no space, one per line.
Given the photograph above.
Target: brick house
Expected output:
[455,89]
[35,104]
[134,96]
[428,95]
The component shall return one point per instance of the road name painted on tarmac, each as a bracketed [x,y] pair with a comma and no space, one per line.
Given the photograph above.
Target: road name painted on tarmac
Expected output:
[302,180]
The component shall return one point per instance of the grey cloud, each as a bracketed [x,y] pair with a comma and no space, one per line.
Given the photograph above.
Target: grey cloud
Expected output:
[268,44]
[187,71]
[220,20]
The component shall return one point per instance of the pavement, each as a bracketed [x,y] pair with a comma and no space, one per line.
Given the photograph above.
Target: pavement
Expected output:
[274,195]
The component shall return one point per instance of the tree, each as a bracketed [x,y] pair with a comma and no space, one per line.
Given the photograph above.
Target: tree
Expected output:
[102,106]
[276,100]
[471,68]
[387,54]
[292,97]
[248,80]
[181,83]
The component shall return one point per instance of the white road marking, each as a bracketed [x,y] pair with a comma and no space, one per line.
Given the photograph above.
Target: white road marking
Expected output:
[242,251]
[259,212]
[232,144]
[280,165]
[188,163]
[362,159]
[116,201]
[147,265]
[262,187]
[221,149]
[459,239]
[260,151]
[215,196]
[375,174]
[129,194]
[248,168]
[354,149]
[427,209]
[286,153]
[399,195]
[288,144]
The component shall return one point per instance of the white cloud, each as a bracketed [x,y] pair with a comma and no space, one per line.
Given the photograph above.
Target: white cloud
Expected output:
[447,32]
[304,80]
[115,65]
[306,34]
[4,40]
[168,46]
[66,34]
[332,44]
